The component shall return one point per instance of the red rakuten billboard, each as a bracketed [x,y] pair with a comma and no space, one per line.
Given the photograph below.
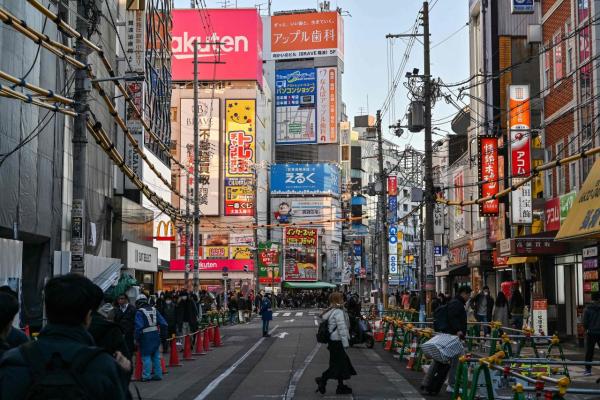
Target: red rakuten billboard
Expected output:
[239,32]
[214,265]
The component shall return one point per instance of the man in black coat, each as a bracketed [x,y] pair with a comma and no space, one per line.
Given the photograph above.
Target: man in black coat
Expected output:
[483,305]
[69,301]
[168,310]
[15,336]
[457,325]
[125,318]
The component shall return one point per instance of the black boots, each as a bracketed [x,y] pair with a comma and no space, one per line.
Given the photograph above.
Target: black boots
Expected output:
[343,389]
[320,385]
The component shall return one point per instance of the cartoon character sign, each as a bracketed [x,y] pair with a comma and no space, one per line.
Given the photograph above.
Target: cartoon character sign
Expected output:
[284,213]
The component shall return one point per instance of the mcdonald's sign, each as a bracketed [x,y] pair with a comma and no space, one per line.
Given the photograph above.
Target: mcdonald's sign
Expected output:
[168,231]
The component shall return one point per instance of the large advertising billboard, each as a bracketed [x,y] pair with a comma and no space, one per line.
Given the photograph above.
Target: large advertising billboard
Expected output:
[269,263]
[295,99]
[240,155]
[327,105]
[488,174]
[213,265]
[210,145]
[519,123]
[301,253]
[307,35]
[239,32]
[305,179]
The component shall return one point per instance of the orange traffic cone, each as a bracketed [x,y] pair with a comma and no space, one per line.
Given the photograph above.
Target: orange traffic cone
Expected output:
[206,341]
[163,365]
[199,346]
[137,373]
[187,348]
[413,352]
[378,334]
[217,337]
[174,356]
[389,338]
[211,333]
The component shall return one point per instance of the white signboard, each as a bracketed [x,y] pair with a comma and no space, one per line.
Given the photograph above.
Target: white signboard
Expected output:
[438,219]
[429,271]
[141,258]
[208,123]
[393,248]
[393,264]
[540,316]
[521,209]
[135,44]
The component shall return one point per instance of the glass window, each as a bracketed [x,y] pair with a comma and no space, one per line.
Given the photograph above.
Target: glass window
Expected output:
[558,61]
[547,62]
[583,9]
[569,47]
[404,207]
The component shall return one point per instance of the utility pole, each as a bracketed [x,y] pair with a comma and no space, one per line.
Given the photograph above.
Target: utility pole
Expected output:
[382,254]
[428,195]
[186,275]
[196,172]
[82,91]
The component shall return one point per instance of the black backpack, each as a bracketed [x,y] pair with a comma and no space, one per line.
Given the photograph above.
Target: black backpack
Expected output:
[440,319]
[57,379]
[323,331]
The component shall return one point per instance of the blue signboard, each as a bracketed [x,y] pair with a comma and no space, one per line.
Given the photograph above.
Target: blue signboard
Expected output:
[294,87]
[303,179]
[392,209]
[295,111]
[358,250]
[522,6]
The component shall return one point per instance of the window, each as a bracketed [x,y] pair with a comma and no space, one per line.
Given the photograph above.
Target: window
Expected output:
[560,173]
[569,46]
[586,163]
[573,167]
[558,61]
[547,62]
[405,192]
[405,207]
[583,9]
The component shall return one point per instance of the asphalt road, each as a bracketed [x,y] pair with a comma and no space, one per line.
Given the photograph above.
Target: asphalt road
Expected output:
[283,366]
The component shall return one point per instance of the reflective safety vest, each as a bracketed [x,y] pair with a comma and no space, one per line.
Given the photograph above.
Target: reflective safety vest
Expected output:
[151,318]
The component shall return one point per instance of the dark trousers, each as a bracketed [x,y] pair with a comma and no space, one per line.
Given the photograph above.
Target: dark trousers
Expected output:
[591,341]
[265,326]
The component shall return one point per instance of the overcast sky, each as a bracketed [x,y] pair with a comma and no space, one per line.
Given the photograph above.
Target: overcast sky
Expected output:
[365,79]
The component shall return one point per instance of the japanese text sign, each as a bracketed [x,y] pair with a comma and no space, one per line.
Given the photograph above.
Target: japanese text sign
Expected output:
[295,102]
[392,185]
[488,174]
[294,87]
[552,214]
[327,105]
[317,178]
[213,265]
[269,263]
[307,35]
[519,117]
[301,254]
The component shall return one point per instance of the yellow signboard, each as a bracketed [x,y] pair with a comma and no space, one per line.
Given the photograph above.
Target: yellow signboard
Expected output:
[240,253]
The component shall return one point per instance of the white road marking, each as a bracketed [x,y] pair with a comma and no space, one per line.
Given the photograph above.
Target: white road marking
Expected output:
[275,314]
[291,390]
[290,320]
[299,314]
[287,314]
[212,386]
[282,335]
[316,322]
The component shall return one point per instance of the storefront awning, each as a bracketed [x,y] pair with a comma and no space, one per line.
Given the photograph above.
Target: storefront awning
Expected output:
[583,220]
[309,285]
[521,260]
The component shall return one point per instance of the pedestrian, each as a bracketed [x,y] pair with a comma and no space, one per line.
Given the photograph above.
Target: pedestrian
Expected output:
[266,313]
[517,307]
[15,337]
[414,302]
[483,305]
[63,358]
[406,300]
[456,325]
[233,308]
[340,366]
[9,307]
[169,312]
[392,300]
[248,307]
[241,307]
[500,312]
[591,325]
[149,325]
[125,317]
[187,314]
[437,302]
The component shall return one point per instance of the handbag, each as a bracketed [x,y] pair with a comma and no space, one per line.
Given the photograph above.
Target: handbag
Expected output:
[443,347]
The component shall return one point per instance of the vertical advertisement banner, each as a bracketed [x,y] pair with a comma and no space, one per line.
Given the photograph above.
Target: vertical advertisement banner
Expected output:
[438,219]
[488,173]
[301,254]
[459,228]
[295,99]
[327,105]
[210,146]
[519,123]
[269,261]
[240,155]
[392,185]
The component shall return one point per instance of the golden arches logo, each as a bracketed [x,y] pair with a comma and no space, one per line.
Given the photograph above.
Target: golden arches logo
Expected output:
[168,231]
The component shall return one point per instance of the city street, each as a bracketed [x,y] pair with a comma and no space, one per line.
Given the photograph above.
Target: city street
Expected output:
[283,366]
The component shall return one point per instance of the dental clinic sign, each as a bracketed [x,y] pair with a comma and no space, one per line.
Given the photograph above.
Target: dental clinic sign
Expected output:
[234,38]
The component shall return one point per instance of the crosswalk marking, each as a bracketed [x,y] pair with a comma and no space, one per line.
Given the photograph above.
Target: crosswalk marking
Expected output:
[287,314]
[299,314]
[275,314]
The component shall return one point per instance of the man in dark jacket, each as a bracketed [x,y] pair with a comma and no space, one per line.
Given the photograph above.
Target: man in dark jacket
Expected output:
[69,304]
[457,325]
[591,324]
[15,336]
[187,314]
[168,310]
[125,317]
[482,305]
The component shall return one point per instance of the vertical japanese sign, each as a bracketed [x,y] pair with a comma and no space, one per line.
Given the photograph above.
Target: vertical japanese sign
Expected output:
[301,254]
[240,155]
[519,122]
[438,219]
[295,91]
[209,143]
[540,316]
[459,220]
[269,260]
[135,44]
[392,185]
[327,105]
[552,213]
[488,173]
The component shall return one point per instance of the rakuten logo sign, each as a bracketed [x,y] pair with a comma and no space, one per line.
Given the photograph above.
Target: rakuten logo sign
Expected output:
[239,32]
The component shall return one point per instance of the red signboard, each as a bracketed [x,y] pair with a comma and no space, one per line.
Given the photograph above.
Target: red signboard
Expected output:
[552,214]
[214,265]
[239,34]
[301,254]
[488,173]
[520,123]
[499,261]
[392,185]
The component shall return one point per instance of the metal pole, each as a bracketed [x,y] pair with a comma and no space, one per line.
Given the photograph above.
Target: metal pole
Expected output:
[82,90]
[186,275]
[428,196]
[196,172]
[383,270]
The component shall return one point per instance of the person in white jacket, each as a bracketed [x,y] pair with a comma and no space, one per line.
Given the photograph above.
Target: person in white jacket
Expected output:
[340,367]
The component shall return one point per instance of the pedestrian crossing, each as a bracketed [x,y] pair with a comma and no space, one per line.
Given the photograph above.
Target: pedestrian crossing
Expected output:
[295,314]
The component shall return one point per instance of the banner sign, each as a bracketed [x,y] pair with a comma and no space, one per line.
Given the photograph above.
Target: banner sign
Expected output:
[210,144]
[240,155]
[438,219]
[213,265]
[566,202]
[458,220]
[269,263]
[322,179]
[522,7]
[519,116]
[392,185]
[295,99]
[307,35]
[488,173]
[393,264]
[238,30]
[327,105]
[540,316]
[392,209]
[301,253]
[552,214]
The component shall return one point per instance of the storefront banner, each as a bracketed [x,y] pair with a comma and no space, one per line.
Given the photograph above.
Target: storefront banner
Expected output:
[438,219]
[519,116]
[269,263]
[499,262]
[458,255]
[458,222]
[209,118]
[521,207]
[392,209]
[216,252]
[589,252]
[538,246]
[214,265]
[295,102]
[392,185]
[540,316]
[327,105]
[239,200]
[141,258]
[240,33]
[240,253]
[488,173]
[301,253]
[522,6]
[393,264]
[552,214]
[239,239]
[307,35]
[305,179]
[566,202]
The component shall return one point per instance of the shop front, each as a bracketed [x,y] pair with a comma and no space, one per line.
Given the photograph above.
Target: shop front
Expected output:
[214,275]
[481,266]
[142,263]
[458,269]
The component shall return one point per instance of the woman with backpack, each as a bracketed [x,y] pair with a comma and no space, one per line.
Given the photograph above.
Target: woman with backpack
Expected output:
[340,367]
